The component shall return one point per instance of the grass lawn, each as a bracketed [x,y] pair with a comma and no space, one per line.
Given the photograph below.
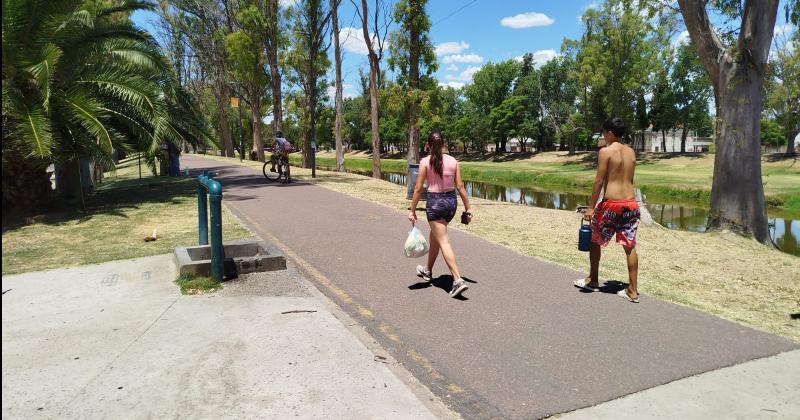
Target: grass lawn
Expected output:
[121,213]
[720,273]
[661,176]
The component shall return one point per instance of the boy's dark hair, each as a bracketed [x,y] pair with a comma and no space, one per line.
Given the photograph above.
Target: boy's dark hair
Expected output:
[615,125]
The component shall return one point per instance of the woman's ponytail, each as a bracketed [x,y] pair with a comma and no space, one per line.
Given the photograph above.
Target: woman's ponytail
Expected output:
[436,143]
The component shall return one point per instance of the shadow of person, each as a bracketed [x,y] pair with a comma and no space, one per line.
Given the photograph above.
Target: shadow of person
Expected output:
[609,286]
[444,282]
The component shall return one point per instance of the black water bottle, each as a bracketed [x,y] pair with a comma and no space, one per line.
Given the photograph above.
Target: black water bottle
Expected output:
[584,237]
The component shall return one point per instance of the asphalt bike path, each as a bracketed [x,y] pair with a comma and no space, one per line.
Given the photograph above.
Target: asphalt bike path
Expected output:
[521,343]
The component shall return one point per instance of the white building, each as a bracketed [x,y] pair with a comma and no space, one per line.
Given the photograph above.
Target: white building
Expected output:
[653,141]
[512,145]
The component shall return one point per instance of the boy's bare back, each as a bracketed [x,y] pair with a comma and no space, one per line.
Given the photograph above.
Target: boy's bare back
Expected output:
[620,163]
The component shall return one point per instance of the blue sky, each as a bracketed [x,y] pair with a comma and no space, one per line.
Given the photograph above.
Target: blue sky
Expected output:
[471,33]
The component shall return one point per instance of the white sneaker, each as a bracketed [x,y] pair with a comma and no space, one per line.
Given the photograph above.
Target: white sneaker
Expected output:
[459,286]
[422,272]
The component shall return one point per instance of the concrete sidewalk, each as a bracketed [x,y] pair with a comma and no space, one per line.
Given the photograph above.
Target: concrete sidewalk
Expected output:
[767,388]
[118,340]
[521,343]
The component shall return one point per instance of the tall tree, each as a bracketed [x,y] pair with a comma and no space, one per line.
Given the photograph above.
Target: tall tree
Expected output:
[375,44]
[736,72]
[310,62]
[491,85]
[274,41]
[248,61]
[783,92]
[691,90]
[205,24]
[410,50]
[559,94]
[617,57]
[337,54]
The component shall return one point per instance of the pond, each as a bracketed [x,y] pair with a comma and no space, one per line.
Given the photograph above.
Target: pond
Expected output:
[784,229]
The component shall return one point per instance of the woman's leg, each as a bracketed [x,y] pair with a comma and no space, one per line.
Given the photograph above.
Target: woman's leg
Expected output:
[439,231]
[433,251]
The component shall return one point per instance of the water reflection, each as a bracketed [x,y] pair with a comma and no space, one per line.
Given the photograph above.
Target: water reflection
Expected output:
[785,232]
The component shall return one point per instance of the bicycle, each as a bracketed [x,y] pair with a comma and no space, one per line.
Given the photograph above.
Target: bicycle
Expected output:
[280,164]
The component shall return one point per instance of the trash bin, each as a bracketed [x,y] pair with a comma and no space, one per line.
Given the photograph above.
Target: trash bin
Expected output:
[411,180]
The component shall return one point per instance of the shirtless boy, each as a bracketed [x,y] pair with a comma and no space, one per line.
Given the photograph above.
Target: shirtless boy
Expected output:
[618,213]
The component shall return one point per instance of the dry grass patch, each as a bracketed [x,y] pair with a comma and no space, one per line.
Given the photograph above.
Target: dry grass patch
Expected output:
[118,218]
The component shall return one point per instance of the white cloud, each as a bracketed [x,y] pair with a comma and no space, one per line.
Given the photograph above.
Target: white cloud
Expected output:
[540,57]
[352,40]
[451,48]
[785,29]
[681,38]
[347,91]
[287,3]
[462,58]
[464,76]
[454,85]
[527,20]
[452,67]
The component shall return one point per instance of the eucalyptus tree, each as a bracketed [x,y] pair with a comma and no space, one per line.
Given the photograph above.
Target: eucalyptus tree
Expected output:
[736,68]
[691,91]
[77,85]
[205,23]
[375,40]
[411,52]
[783,88]
[248,61]
[490,86]
[339,106]
[275,41]
[309,62]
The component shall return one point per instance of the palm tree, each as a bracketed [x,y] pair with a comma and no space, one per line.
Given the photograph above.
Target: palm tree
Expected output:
[79,82]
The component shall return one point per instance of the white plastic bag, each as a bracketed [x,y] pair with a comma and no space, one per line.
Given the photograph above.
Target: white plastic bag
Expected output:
[416,245]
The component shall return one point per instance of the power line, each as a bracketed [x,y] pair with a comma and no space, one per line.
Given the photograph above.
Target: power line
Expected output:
[453,13]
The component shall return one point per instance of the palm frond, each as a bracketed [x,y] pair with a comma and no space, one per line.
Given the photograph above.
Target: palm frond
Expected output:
[43,72]
[127,87]
[89,114]
[33,129]
[127,7]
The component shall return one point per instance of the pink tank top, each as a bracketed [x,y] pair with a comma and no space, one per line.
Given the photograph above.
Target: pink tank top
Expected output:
[443,183]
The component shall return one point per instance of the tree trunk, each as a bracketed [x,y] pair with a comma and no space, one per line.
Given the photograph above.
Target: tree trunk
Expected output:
[337,52]
[737,192]
[790,144]
[258,142]
[683,138]
[277,108]
[374,73]
[374,117]
[663,141]
[271,41]
[223,99]
[413,84]
[26,183]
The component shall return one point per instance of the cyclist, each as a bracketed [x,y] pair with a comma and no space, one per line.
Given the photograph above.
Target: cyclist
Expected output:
[282,149]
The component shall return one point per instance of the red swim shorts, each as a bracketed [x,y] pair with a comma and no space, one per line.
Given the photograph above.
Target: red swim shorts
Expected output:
[620,217]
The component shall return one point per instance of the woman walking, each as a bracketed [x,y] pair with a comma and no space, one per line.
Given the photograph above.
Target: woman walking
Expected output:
[444,177]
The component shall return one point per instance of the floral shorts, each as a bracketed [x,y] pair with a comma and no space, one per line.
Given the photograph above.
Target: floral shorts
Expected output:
[616,217]
[441,206]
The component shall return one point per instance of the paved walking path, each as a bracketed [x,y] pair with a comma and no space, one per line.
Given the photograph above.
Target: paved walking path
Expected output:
[522,343]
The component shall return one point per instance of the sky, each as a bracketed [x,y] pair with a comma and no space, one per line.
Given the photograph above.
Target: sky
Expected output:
[470,33]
